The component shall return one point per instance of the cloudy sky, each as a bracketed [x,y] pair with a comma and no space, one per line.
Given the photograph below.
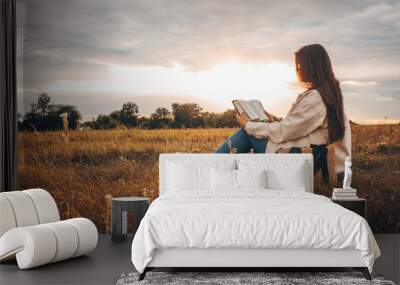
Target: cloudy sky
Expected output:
[98,54]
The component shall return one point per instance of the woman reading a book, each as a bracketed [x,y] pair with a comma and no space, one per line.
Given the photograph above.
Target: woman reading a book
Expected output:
[315,118]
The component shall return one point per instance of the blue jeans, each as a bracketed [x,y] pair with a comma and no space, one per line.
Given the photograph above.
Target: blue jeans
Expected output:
[243,143]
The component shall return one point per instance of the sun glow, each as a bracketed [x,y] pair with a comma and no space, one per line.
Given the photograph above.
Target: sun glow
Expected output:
[246,80]
[215,87]
[272,73]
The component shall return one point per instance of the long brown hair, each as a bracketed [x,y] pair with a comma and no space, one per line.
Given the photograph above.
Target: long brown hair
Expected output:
[314,68]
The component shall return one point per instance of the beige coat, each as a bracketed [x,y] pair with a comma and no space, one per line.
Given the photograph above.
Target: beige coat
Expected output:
[305,124]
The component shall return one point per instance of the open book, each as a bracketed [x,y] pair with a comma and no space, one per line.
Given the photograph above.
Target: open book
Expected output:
[253,109]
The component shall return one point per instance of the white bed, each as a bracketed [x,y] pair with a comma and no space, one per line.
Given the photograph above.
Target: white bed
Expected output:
[226,226]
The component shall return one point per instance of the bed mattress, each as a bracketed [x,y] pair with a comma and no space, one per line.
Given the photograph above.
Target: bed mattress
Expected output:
[250,219]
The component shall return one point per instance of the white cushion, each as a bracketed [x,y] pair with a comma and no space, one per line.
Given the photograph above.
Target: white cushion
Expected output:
[290,175]
[45,205]
[227,179]
[186,175]
[223,179]
[67,240]
[87,233]
[7,218]
[23,208]
[291,179]
[251,178]
[188,178]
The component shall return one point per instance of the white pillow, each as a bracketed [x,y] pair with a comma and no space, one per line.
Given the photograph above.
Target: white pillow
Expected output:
[183,178]
[223,179]
[280,174]
[185,175]
[227,179]
[251,178]
[291,179]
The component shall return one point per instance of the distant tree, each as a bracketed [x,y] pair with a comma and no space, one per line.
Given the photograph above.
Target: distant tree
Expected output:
[145,123]
[216,120]
[116,115]
[209,120]
[31,121]
[90,124]
[129,114]
[45,116]
[43,105]
[186,115]
[227,119]
[162,113]
[74,116]
[130,109]
[161,118]
[104,122]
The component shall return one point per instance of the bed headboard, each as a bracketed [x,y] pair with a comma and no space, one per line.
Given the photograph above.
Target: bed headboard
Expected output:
[213,158]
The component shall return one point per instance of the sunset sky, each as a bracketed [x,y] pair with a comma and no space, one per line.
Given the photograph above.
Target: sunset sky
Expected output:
[98,54]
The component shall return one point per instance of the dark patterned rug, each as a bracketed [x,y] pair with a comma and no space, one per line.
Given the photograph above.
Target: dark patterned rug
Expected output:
[229,278]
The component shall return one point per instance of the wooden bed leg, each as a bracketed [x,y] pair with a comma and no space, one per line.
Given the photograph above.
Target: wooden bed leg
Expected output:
[143,274]
[364,271]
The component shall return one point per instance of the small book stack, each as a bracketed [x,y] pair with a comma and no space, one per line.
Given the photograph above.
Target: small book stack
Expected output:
[344,194]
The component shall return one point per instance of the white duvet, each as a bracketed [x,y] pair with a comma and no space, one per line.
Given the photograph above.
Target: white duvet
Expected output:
[250,219]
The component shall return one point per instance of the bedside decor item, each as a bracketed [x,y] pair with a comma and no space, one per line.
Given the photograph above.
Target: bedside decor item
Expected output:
[344,194]
[119,216]
[31,231]
[347,173]
[347,192]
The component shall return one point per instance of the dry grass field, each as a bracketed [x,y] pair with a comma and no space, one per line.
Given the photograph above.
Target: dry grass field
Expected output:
[82,170]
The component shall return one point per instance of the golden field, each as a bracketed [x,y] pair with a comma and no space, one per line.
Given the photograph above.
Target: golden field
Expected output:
[82,170]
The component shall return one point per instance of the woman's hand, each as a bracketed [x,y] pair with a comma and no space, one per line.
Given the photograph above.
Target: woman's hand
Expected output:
[272,118]
[242,119]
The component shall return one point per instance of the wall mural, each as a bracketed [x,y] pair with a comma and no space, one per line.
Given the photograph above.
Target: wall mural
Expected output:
[106,86]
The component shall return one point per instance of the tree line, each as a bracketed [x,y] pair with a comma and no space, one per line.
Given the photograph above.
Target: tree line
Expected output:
[44,115]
